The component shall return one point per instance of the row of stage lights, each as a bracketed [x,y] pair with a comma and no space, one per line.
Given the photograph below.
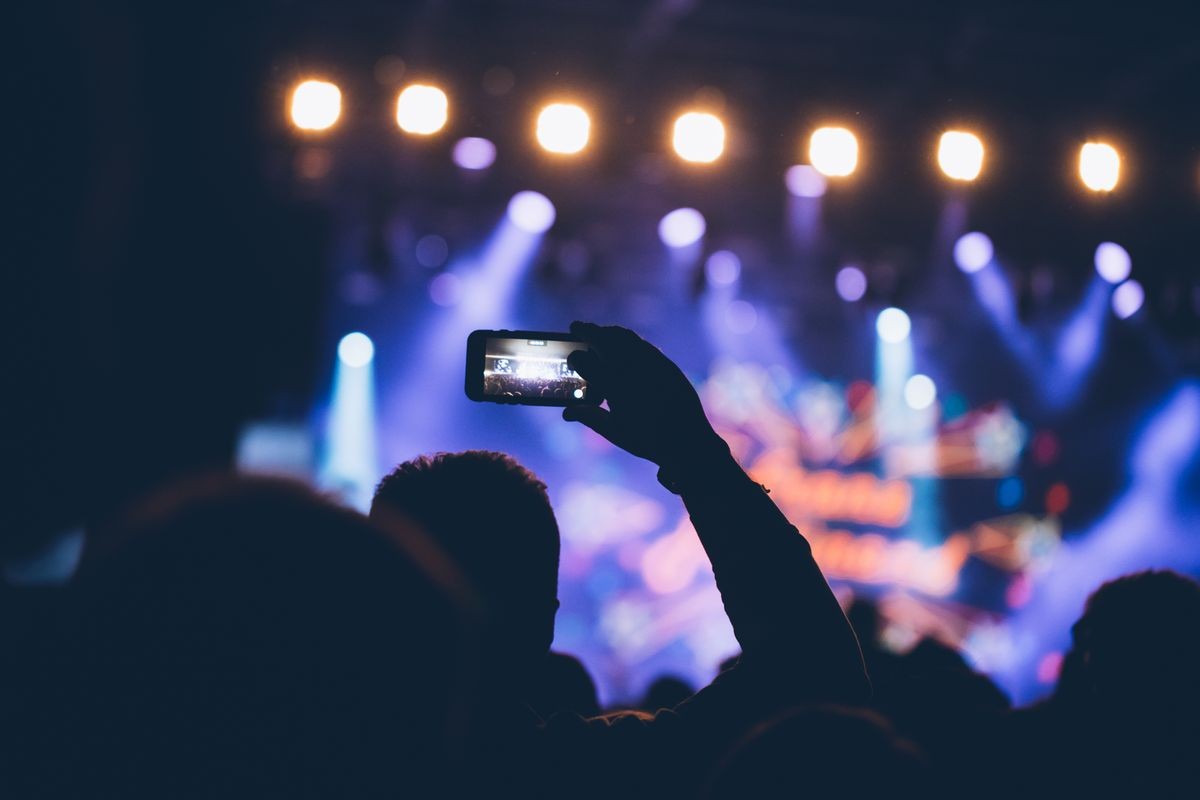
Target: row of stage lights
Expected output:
[698,137]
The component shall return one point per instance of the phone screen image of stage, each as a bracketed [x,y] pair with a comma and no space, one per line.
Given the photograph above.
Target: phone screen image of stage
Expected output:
[532,368]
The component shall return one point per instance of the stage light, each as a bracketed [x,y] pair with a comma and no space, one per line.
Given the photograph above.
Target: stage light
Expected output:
[474,153]
[723,268]
[833,152]
[316,105]
[851,284]
[919,392]
[356,349]
[563,128]
[973,251]
[1099,166]
[531,212]
[960,155]
[1127,299]
[681,227]
[1113,262]
[699,137]
[893,325]
[803,180]
[422,109]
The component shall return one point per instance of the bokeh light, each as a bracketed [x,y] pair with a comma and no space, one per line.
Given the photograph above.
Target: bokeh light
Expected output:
[563,128]
[803,180]
[741,317]
[681,227]
[893,325]
[1010,492]
[474,153]
[851,283]
[316,105]
[698,137]
[723,268]
[1044,447]
[1127,299]
[1050,667]
[960,155]
[446,290]
[1058,498]
[919,392]
[973,251]
[833,152]
[431,251]
[422,109]
[531,212]
[1099,166]
[356,349]
[1113,262]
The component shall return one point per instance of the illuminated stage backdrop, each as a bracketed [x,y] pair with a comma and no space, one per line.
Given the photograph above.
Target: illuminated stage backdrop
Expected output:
[949,513]
[856,497]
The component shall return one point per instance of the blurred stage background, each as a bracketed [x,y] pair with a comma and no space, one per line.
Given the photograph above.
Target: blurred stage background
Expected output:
[971,382]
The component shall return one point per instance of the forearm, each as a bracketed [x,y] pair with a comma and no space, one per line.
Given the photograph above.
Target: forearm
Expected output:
[782,610]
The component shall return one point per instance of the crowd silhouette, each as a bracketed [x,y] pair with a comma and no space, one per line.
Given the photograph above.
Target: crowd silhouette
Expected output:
[234,636]
[238,636]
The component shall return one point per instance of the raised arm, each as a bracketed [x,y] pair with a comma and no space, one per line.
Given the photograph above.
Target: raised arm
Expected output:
[795,640]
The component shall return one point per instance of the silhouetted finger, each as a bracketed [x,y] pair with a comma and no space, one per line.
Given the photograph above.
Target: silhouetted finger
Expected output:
[610,341]
[586,363]
[596,418]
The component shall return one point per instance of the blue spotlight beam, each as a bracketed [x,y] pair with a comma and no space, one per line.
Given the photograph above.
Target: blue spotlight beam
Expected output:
[490,282]
[1062,366]
[907,436]
[350,466]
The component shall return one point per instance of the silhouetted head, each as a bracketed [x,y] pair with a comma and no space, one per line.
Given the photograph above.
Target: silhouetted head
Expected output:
[824,751]
[1137,645]
[666,691]
[247,637]
[866,620]
[493,518]
[564,686]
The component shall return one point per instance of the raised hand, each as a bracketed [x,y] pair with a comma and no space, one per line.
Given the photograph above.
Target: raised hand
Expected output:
[653,410]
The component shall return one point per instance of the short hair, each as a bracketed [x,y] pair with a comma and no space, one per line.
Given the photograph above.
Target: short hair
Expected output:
[489,514]
[1138,638]
[233,620]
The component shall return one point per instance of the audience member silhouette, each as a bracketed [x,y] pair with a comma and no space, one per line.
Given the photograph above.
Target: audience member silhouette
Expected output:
[1125,716]
[493,518]
[821,751]
[665,691]
[934,698]
[564,687]
[868,623]
[246,638]
[728,663]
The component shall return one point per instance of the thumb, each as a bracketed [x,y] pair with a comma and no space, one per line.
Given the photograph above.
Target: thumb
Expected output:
[594,417]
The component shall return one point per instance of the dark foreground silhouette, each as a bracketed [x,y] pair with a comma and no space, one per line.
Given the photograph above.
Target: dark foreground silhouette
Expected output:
[244,637]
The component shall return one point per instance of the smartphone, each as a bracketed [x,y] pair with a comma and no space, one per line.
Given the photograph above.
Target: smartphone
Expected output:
[526,367]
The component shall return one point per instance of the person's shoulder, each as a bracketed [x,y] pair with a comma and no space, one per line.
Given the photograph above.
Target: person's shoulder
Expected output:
[613,730]
[618,749]
[567,723]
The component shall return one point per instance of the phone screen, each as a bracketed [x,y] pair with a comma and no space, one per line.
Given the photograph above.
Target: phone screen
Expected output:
[522,369]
